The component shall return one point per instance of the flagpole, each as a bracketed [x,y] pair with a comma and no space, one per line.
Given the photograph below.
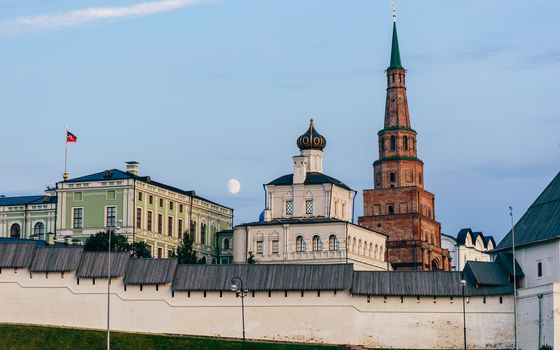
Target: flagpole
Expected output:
[65,175]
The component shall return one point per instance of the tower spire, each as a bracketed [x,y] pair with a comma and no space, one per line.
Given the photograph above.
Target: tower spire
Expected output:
[395,52]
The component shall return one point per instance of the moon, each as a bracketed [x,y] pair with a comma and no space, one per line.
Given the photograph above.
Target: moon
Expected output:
[233,186]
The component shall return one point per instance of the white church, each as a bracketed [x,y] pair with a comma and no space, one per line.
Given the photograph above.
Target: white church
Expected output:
[308,218]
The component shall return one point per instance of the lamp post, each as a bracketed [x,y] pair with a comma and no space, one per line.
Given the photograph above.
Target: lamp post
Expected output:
[237,287]
[109,233]
[463,284]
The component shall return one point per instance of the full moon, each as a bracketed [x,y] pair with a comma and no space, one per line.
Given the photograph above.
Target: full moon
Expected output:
[233,186]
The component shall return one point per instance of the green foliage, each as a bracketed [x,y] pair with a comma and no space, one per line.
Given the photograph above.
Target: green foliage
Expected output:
[119,243]
[140,250]
[99,242]
[251,259]
[185,252]
[18,337]
[545,347]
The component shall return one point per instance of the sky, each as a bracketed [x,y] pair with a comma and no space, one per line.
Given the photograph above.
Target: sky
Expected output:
[200,92]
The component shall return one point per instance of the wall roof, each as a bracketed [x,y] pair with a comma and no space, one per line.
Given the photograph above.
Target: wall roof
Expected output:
[150,271]
[94,264]
[56,259]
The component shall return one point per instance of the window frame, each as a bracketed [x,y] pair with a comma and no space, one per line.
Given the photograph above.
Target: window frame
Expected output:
[111,222]
[290,207]
[80,218]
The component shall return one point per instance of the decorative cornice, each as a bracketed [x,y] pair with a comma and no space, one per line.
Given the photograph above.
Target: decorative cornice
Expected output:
[392,128]
[397,158]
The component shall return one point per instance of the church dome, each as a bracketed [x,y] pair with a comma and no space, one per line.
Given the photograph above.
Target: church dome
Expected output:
[311,139]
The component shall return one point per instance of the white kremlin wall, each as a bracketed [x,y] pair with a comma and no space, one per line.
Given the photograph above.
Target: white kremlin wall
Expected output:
[424,323]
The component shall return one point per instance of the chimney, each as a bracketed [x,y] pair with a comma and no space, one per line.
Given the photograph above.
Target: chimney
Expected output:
[50,238]
[132,167]
[300,169]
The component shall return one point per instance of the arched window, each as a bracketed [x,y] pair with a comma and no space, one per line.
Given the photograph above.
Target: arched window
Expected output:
[376,252]
[226,243]
[300,244]
[203,233]
[317,243]
[39,229]
[365,249]
[370,252]
[405,142]
[435,265]
[15,231]
[393,143]
[354,244]
[333,242]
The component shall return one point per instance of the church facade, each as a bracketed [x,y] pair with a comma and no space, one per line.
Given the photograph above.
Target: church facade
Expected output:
[308,218]
[399,206]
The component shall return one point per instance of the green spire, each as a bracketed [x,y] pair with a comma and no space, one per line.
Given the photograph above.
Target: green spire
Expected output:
[395,53]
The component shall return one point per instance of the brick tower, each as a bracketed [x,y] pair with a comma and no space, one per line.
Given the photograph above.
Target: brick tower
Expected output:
[398,205]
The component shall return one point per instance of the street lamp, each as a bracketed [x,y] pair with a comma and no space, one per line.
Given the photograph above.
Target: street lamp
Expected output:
[237,287]
[115,228]
[463,284]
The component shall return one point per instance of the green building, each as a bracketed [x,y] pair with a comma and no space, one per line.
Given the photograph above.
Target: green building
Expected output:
[28,216]
[142,209]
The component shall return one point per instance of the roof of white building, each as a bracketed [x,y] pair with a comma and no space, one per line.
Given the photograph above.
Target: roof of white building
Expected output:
[541,222]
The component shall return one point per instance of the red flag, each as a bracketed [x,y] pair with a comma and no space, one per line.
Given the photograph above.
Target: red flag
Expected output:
[71,137]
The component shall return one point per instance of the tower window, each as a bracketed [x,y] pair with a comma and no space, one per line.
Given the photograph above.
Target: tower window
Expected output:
[382,144]
[392,177]
[405,143]
[391,209]
[539,269]
[420,178]
[393,143]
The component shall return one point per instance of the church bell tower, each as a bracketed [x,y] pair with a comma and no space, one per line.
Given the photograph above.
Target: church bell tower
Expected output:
[398,205]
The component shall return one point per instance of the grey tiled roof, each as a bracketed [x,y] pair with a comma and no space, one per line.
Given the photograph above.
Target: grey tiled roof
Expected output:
[150,271]
[312,178]
[264,277]
[56,259]
[541,222]
[94,264]
[487,273]
[16,255]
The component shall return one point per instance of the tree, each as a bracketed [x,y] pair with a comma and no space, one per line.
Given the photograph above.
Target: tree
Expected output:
[98,242]
[140,250]
[185,252]
[251,259]
[119,243]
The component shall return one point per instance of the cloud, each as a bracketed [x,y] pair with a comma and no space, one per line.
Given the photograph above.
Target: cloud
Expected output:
[85,16]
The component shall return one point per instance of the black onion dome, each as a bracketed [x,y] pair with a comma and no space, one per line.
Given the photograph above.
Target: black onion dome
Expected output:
[311,139]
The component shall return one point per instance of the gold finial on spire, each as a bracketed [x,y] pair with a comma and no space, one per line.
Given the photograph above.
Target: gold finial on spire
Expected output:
[311,121]
[394,11]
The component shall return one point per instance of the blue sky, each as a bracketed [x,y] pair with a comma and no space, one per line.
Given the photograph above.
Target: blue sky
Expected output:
[203,91]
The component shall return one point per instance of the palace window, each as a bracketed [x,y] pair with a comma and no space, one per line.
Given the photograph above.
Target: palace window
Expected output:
[393,143]
[151,199]
[170,226]
[160,223]
[170,205]
[193,230]
[15,231]
[317,243]
[180,208]
[180,229]
[289,207]
[226,244]
[161,203]
[111,217]
[333,243]
[203,234]
[160,253]
[300,244]
[78,215]
[39,229]
[260,247]
[275,246]
[138,217]
[140,196]
[149,221]
[309,207]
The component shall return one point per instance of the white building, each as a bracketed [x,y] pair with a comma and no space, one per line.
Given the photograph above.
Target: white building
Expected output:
[467,246]
[308,218]
[537,250]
